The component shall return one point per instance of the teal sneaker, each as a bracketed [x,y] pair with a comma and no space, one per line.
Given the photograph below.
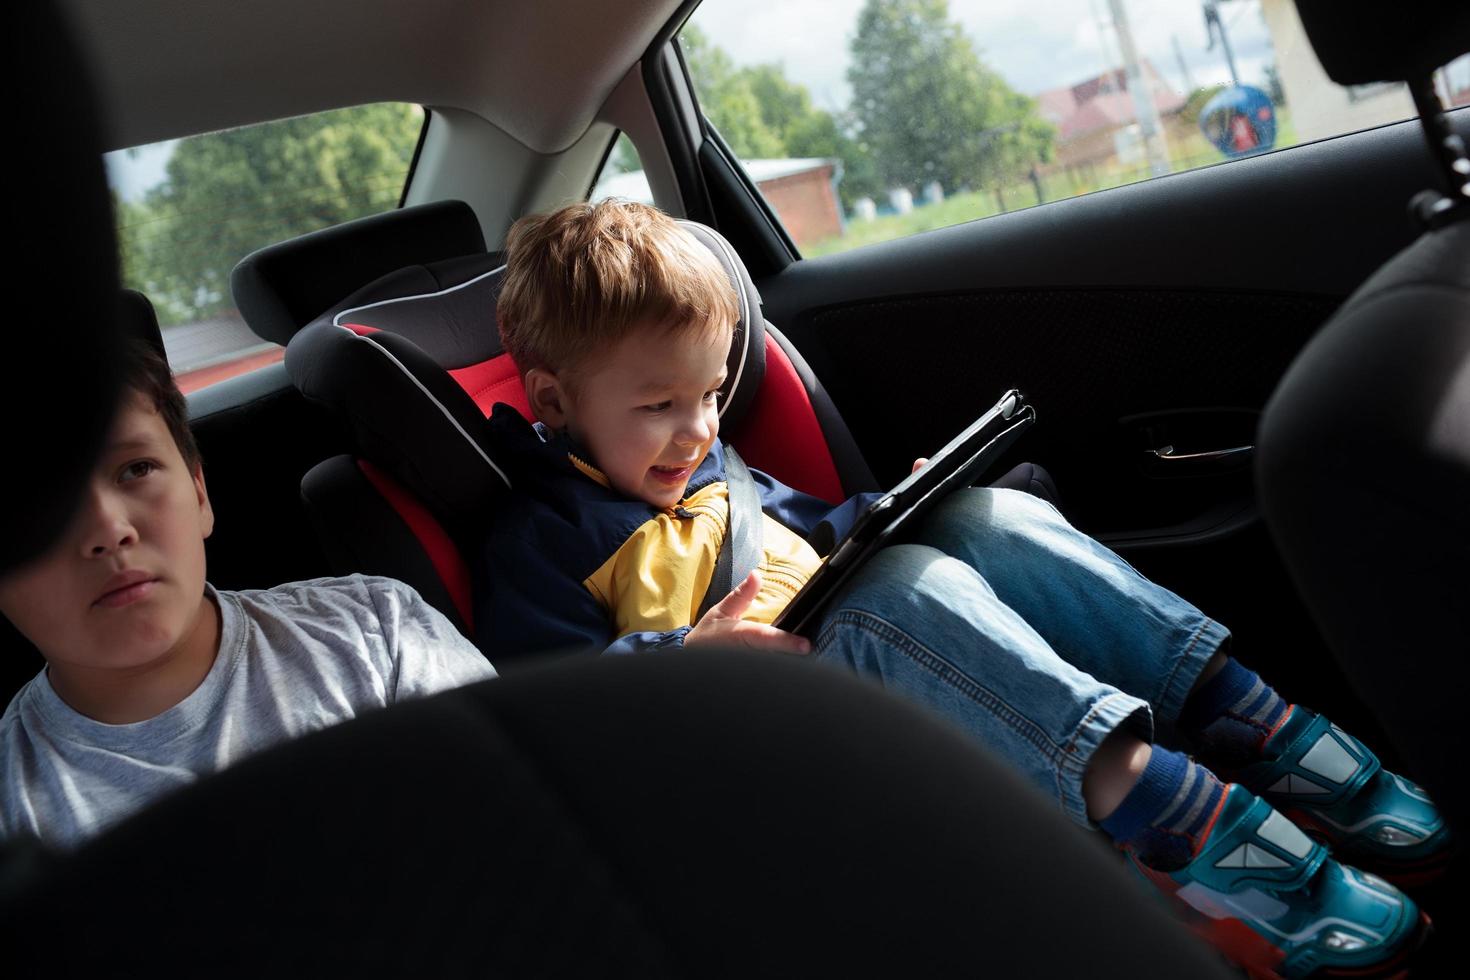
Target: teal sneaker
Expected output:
[1275,902]
[1333,787]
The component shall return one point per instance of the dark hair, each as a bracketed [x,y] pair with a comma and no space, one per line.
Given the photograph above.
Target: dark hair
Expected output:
[147,373]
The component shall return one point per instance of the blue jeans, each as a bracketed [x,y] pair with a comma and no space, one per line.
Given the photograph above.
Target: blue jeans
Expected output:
[1022,630]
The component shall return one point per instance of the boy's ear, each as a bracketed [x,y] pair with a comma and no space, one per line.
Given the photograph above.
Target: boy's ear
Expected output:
[548,397]
[206,511]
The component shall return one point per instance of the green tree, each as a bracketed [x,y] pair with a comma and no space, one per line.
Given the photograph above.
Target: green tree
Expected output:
[227,194]
[807,131]
[728,98]
[763,114]
[928,107]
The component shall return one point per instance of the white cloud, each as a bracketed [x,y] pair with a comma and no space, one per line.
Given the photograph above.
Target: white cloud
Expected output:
[809,38]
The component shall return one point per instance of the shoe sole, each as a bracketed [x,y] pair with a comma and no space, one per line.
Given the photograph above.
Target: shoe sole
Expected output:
[1404,874]
[1260,960]
[1394,968]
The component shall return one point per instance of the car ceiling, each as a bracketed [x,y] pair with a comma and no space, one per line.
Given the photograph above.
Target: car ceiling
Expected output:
[539,71]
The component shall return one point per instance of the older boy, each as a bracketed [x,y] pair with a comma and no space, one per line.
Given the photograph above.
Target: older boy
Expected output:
[154,678]
[1039,641]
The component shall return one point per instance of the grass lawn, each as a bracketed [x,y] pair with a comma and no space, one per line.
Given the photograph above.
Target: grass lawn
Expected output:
[1192,152]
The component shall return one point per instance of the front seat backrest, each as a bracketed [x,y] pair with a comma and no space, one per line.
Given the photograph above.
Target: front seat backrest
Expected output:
[1365,446]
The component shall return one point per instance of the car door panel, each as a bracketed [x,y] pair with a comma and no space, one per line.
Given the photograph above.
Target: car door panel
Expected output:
[1153,315]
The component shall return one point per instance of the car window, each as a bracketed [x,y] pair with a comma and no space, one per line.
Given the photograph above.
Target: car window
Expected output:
[187,210]
[867,120]
[622,175]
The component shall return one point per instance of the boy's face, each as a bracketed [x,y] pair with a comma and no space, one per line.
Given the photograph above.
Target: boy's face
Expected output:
[646,409]
[126,580]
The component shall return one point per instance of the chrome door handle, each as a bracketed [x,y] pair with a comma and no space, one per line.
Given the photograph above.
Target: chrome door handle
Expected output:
[1164,461]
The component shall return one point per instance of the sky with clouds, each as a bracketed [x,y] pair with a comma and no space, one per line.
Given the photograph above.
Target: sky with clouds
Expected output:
[1034,44]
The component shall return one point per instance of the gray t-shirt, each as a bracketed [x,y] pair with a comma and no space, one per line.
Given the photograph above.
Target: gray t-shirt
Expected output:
[291,660]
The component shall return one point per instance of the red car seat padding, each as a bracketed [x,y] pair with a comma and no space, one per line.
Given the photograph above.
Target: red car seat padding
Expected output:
[781,434]
[492,381]
[448,564]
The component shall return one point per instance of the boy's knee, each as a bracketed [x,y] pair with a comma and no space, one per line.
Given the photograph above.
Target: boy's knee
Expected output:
[908,575]
[978,512]
[902,562]
[889,574]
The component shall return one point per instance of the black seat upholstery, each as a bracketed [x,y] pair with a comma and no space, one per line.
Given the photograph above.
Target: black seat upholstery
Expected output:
[702,817]
[1365,446]
[67,258]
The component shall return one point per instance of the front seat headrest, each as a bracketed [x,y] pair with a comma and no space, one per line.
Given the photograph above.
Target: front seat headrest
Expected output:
[68,261]
[1362,41]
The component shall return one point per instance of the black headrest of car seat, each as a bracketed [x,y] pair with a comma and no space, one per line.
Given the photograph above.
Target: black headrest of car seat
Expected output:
[446,308]
[68,260]
[380,358]
[281,288]
[1361,41]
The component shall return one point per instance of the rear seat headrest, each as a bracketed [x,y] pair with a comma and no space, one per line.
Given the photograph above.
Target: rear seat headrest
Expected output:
[447,309]
[281,288]
[381,358]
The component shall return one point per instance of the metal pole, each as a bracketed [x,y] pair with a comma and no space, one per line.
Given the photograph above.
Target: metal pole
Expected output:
[1143,100]
[1216,28]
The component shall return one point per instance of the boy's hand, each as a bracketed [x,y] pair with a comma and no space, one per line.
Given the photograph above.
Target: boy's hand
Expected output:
[919,464]
[723,625]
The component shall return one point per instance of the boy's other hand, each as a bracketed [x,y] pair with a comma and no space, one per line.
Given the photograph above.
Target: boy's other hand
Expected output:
[919,464]
[723,625]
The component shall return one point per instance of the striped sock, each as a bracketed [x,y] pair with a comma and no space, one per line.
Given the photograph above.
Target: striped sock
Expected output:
[1230,716]
[1166,814]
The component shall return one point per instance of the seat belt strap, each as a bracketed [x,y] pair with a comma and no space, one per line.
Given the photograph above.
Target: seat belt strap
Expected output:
[740,551]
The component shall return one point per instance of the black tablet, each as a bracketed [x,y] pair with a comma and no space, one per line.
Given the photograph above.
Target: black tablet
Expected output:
[958,464]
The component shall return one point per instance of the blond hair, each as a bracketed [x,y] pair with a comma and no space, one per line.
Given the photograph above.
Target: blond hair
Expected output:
[583,277]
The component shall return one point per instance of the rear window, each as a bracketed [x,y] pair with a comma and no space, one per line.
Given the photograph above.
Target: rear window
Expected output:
[187,210]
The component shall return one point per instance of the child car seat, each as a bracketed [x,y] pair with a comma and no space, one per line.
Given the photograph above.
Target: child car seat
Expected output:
[412,362]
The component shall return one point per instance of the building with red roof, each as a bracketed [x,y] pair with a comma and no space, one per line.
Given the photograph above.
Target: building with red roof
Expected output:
[1097,122]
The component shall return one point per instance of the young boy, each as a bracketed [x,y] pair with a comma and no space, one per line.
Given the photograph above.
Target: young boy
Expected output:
[154,678]
[1047,647]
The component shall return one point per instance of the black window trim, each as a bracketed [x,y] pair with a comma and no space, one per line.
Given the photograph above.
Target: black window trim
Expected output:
[413,163]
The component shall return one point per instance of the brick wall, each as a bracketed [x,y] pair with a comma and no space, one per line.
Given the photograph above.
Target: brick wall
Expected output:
[806,204]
